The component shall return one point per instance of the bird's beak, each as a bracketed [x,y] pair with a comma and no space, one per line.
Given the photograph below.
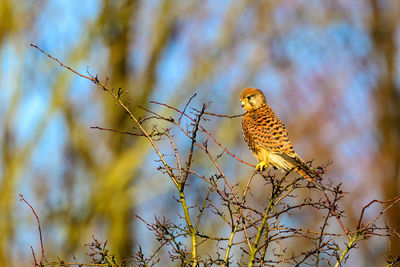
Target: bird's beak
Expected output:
[243,103]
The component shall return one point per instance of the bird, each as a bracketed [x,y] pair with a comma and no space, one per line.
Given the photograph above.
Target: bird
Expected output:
[267,137]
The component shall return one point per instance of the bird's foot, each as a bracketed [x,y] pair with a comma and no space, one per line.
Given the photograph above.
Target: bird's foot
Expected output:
[261,166]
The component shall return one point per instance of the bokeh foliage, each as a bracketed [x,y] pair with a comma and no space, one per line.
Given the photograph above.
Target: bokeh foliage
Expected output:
[330,70]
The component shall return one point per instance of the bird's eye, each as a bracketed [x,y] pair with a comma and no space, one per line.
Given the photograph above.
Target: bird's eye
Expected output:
[248,97]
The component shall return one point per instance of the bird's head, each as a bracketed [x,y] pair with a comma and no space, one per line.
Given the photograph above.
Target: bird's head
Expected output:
[252,99]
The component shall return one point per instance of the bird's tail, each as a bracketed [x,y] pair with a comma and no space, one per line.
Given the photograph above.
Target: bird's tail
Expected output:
[308,174]
[304,170]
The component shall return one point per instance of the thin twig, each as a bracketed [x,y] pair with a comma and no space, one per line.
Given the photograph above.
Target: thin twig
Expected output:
[40,230]
[208,133]
[393,200]
[193,137]
[187,104]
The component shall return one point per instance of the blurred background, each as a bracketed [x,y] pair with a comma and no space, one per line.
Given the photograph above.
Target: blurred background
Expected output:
[329,69]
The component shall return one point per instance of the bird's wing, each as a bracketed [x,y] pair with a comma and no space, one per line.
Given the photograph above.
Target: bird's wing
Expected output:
[267,131]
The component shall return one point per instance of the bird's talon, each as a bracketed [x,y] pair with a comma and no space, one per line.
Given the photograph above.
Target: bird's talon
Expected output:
[260,166]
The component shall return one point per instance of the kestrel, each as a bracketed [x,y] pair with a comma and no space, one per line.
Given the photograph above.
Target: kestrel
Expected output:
[267,138]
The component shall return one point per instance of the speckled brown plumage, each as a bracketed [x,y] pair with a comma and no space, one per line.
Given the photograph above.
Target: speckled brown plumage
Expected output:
[263,130]
[266,135]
